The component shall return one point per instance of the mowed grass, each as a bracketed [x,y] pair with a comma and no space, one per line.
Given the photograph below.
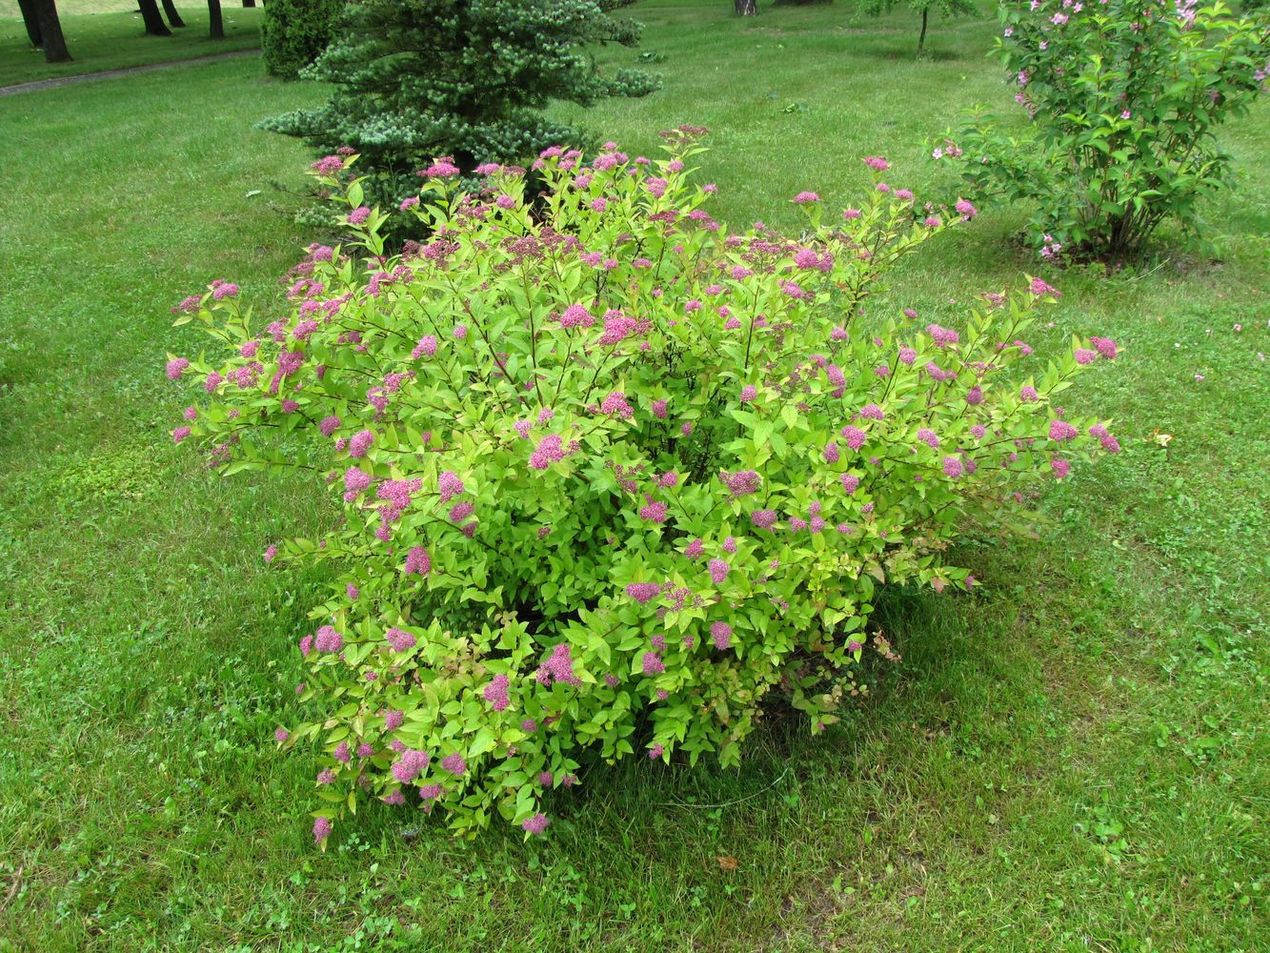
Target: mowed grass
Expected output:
[1073,758]
[104,36]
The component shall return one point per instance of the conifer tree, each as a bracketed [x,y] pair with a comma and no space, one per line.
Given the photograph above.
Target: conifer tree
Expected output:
[469,79]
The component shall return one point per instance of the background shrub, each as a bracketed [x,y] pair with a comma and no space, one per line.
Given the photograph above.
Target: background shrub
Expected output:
[1124,99]
[470,80]
[612,476]
[294,33]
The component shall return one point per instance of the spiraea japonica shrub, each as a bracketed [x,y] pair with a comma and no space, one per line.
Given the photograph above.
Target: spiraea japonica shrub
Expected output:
[612,476]
[1124,99]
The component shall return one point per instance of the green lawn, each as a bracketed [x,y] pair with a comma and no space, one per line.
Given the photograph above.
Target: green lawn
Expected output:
[111,36]
[1075,758]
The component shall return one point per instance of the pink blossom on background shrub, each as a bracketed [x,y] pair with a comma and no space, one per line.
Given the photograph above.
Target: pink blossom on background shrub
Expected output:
[575,531]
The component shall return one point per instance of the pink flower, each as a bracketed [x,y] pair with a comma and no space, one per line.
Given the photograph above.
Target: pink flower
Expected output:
[280,735]
[455,764]
[328,165]
[652,664]
[804,198]
[643,592]
[721,635]
[180,433]
[1104,346]
[426,347]
[615,405]
[943,337]
[763,519]
[329,425]
[1041,289]
[653,512]
[448,485]
[1060,467]
[359,443]
[718,571]
[928,437]
[400,640]
[1028,394]
[877,163]
[849,482]
[409,765]
[328,640]
[442,167]
[965,209]
[550,449]
[576,316]
[695,548]
[854,436]
[952,467]
[659,409]
[176,367]
[358,215]
[418,562]
[748,393]
[1061,430]
[496,693]
[741,483]
[271,553]
[321,829]
[355,481]
[535,825]
[1085,356]
[559,666]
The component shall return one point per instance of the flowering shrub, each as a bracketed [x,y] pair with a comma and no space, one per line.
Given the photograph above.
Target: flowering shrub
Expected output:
[1124,97]
[612,475]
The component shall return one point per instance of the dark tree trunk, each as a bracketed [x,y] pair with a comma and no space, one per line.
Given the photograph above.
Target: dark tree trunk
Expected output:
[249,3]
[51,32]
[174,18]
[747,8]
[153,18]
[921,40]
[31,17]
[216,23]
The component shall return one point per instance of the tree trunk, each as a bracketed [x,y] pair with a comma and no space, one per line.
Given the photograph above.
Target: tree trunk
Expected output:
[921,40]
[153,18]
[51,32]
[174,18]
[746,8]
[249,3]
[31,18]
[216,23]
